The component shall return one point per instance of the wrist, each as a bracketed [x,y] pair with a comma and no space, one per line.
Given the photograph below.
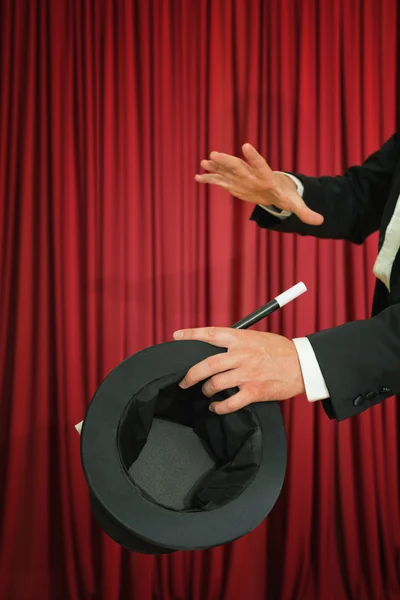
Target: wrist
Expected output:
[286,183]
[273,198]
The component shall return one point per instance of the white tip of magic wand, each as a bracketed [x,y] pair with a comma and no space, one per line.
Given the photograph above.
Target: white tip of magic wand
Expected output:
[291,294]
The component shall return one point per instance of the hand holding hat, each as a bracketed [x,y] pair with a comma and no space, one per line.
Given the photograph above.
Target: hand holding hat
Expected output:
[264,366]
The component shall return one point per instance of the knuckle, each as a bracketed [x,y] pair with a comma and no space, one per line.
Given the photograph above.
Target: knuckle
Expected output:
[213,363]
[252,390]
[233,404]
[195,374]
[215,383]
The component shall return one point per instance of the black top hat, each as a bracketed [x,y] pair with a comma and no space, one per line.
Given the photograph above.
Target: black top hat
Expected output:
[164,473]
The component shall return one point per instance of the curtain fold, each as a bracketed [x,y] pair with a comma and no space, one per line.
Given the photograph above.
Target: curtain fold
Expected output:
[107,245]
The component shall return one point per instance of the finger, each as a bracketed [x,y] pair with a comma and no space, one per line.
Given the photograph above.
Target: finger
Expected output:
[257,162]
[213,167]
[304,213]
[209,165]
[223,381]
[232,164]
[223,337]
[214,179]
[209,367]
[232,404]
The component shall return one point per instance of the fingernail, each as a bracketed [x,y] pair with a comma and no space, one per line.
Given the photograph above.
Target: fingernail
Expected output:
[211,407]
[183,384]
[178,334]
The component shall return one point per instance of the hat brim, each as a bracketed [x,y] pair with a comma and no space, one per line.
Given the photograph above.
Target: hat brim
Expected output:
[123,504]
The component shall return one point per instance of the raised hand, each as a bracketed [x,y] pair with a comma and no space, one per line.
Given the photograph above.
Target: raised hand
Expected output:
[254,181]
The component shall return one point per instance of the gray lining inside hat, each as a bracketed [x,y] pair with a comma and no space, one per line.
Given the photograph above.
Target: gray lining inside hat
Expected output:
[172,464]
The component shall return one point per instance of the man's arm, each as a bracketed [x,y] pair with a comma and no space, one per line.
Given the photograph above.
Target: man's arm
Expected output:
[351,204]
[360,362]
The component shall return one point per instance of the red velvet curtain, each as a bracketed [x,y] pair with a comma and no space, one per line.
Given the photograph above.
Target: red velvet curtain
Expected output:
[107,244]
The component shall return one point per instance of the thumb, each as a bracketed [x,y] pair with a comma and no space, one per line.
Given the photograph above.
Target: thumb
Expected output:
[303,212]
[296,203]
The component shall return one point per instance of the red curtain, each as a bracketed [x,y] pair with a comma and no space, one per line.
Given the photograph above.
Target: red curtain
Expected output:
[107,244]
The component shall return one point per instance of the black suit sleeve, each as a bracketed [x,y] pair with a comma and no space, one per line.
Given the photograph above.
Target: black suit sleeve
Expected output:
[352,204]
[360,362]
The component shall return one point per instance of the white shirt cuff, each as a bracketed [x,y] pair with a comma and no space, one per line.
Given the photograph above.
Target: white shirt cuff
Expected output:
[284,214]
[314,381]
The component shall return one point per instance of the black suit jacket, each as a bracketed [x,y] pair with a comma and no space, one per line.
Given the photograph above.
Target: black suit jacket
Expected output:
[360,360]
